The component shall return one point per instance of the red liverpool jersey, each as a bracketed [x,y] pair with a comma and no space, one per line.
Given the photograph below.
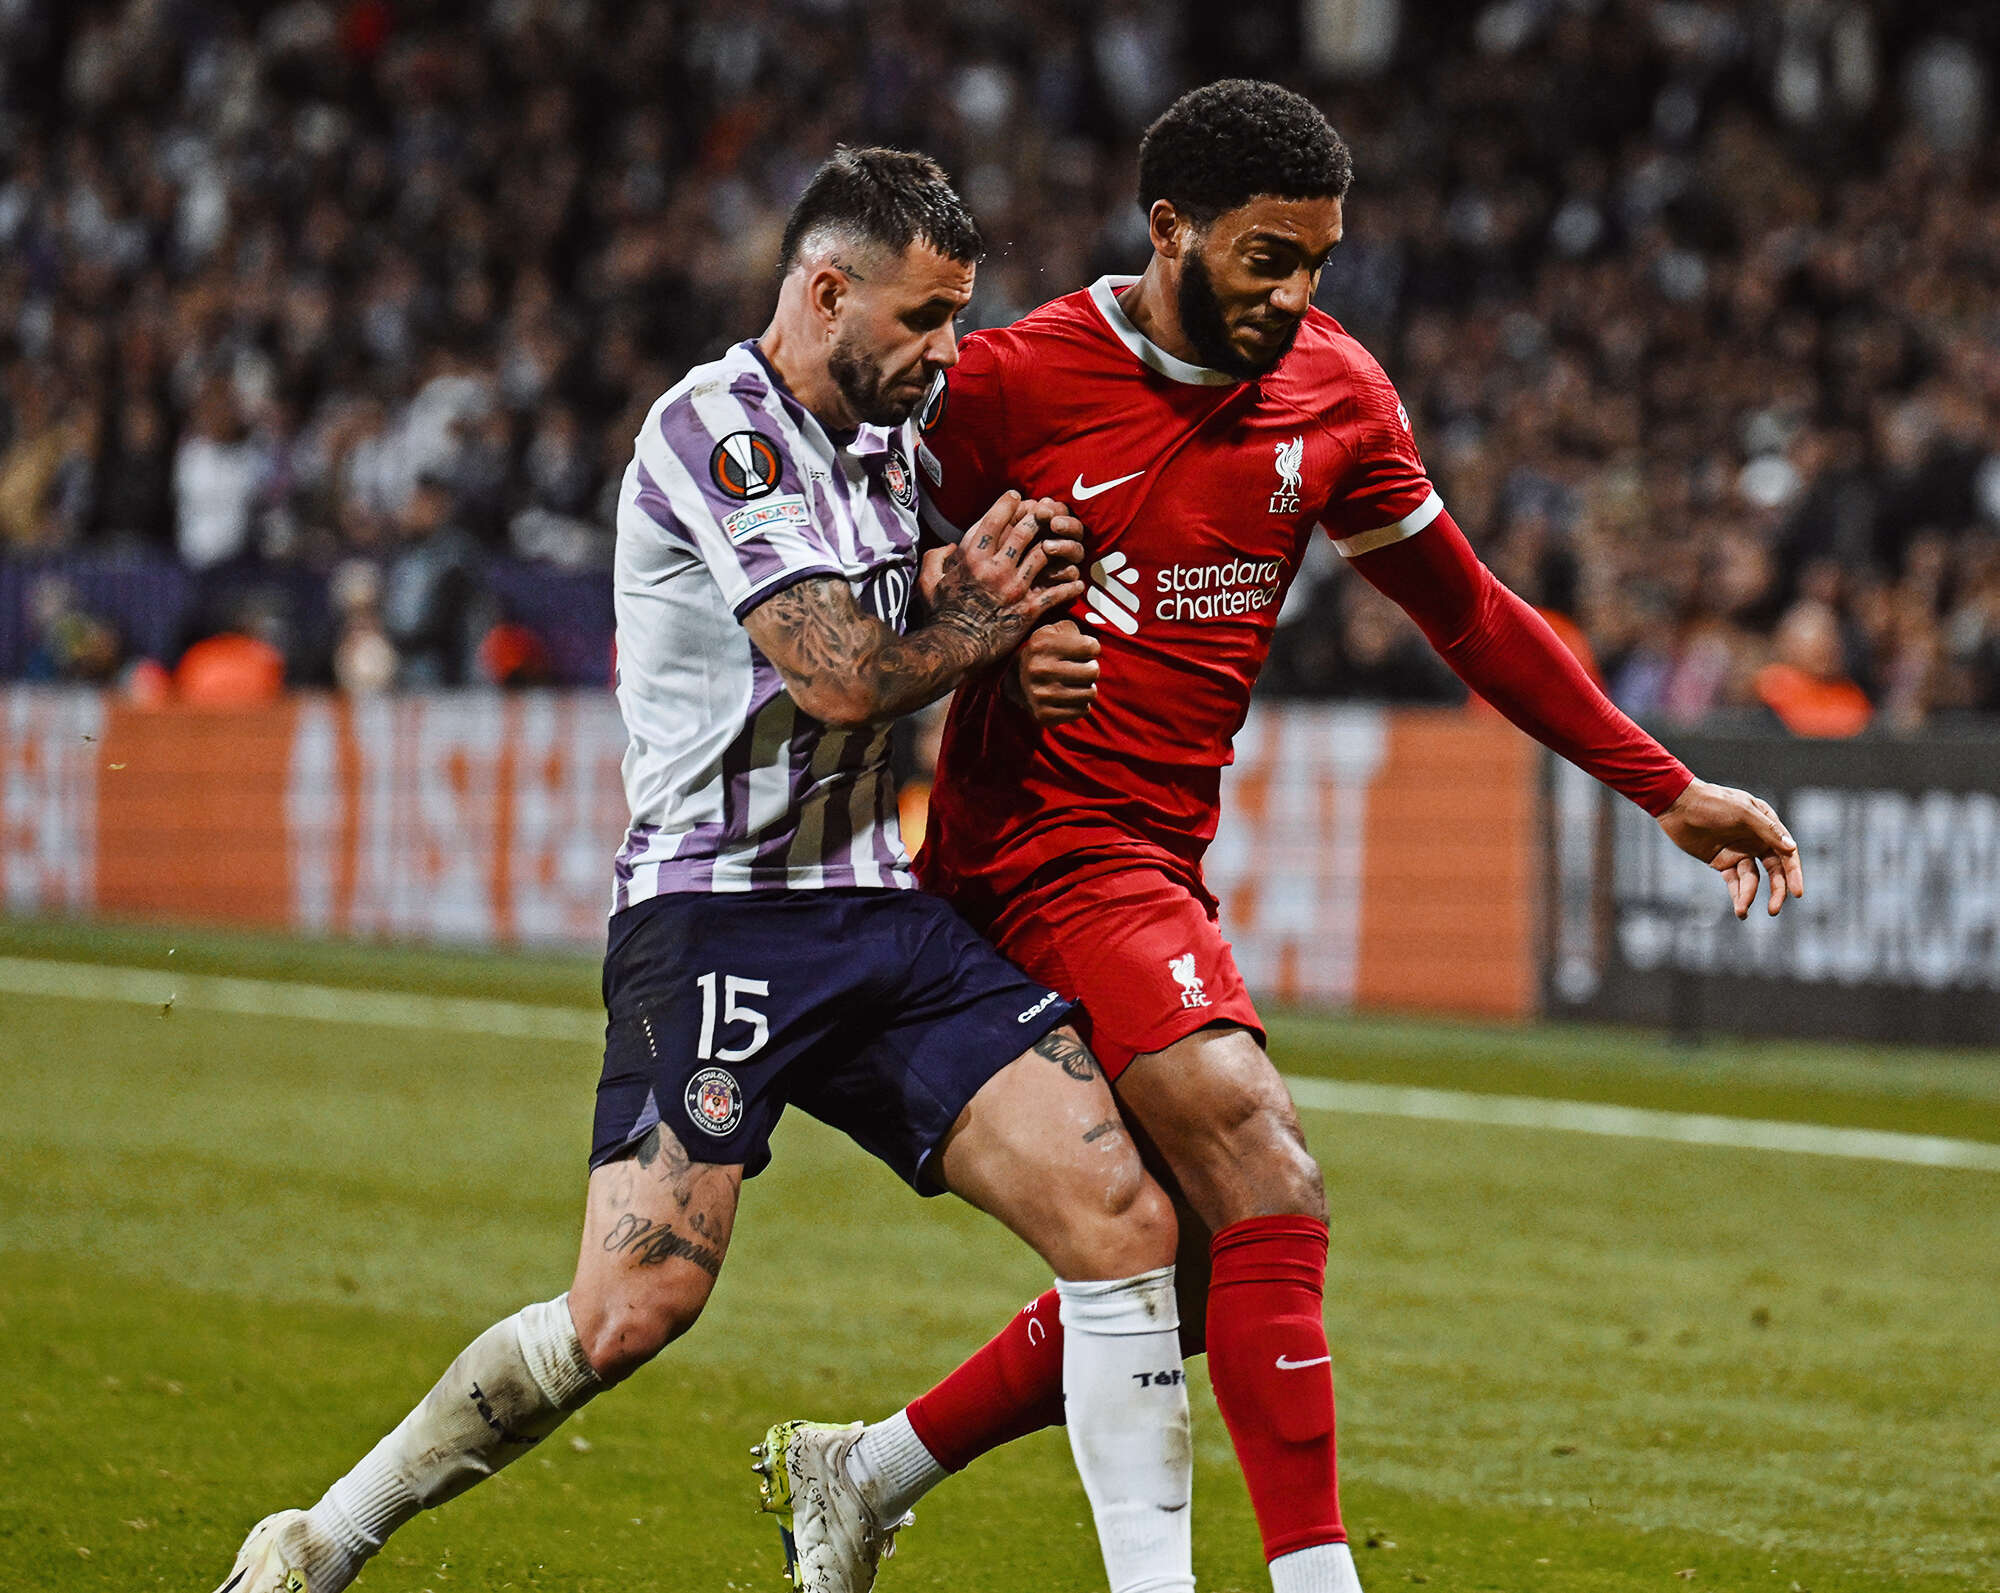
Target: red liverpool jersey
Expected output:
[1198,494]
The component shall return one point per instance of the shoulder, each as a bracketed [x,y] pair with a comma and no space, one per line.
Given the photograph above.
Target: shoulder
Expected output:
[713,403]
[1062,329]
[1335,373]
[1020,373]
[1332,377]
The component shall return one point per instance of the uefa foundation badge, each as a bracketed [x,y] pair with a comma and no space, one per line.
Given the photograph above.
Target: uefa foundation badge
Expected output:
[714,1102]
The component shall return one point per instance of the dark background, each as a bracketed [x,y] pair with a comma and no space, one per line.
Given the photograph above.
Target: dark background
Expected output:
[1896,939]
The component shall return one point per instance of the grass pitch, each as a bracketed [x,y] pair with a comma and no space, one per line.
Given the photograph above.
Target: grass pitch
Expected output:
[234,1250]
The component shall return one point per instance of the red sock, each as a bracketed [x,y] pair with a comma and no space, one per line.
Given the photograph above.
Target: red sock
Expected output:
[1273,1378]
[1011,1387]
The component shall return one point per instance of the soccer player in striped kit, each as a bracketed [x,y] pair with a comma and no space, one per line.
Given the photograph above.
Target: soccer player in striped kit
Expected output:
[768,946]
[1205,421]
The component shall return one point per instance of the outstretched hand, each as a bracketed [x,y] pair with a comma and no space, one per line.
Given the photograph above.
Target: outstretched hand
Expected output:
[1733,832]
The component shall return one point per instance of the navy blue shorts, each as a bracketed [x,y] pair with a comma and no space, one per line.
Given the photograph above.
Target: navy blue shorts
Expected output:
[879,1012]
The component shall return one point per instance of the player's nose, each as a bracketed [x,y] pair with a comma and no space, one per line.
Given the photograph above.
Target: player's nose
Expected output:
[1292,296]
[941,349]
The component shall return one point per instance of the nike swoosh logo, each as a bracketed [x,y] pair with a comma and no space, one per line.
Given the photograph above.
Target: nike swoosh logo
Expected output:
[1296,1366]
[1084,494]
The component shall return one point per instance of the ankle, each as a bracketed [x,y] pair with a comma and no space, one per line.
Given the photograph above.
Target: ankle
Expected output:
[891,1469]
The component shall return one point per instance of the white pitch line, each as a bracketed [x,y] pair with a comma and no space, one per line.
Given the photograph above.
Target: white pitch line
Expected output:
[267,998]
[1632,1122]
[514,1020]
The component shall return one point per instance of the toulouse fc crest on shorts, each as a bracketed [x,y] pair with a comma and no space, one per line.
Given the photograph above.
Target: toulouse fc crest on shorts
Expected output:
[714,1103]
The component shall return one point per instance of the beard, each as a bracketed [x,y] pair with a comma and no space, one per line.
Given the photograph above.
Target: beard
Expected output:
[862,383]
[1204,326]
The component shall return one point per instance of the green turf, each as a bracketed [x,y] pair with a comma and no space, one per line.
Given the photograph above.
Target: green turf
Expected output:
[234,1250]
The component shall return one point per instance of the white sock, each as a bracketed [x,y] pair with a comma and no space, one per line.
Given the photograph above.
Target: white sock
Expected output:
[1324,1568]
[507,1391]
[892,1469]
[1125,1398]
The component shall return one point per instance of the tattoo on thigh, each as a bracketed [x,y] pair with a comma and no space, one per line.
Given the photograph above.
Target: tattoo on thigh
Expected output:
[667,1160]
[1092,1135]
[1068,1053]
[649,1243]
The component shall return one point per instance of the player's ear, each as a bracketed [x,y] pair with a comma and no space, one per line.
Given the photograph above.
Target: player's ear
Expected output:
[826,289]
[1170,229]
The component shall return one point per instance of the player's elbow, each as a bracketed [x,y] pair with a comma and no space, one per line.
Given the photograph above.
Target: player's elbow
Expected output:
[835,704]
[846,713]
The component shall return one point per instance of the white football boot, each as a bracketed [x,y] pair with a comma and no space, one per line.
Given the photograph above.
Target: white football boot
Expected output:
[275,1558]
[833,1543]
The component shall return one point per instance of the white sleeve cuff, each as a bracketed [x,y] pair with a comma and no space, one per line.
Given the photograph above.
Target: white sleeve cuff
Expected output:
[1413,522]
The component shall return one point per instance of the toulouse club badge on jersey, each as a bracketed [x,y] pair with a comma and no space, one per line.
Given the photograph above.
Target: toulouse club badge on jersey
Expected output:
[896,477]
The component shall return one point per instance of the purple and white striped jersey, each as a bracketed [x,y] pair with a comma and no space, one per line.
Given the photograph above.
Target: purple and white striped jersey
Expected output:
[735,492]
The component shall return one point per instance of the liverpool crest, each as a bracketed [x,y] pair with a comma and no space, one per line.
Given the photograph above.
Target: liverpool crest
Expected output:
[1291,461]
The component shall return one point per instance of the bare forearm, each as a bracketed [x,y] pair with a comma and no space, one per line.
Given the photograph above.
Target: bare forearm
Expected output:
[904,673]
[847,667]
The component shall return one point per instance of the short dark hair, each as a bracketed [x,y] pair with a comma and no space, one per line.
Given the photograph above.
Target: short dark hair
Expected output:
[890,197]
[1225,144]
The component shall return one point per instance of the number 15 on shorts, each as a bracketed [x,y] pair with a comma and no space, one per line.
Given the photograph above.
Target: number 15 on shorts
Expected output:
[733,1012]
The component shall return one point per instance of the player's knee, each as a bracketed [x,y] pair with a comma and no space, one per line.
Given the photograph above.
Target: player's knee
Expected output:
[1147,1216]
[1129,1226]
[620,1336]
[1280,1176]
[1303,1184]
[1257,1156]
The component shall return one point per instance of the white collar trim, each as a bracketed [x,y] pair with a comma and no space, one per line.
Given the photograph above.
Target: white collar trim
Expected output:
[1104,294]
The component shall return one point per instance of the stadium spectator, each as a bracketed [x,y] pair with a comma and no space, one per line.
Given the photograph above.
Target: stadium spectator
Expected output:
[215,482]
[137,478]
[67,643]
[364,659]
[1804,685]
[45,472]
[434,606]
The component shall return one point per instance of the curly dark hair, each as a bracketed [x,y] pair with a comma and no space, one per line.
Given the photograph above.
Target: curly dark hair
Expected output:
[890,197]
[1223,145]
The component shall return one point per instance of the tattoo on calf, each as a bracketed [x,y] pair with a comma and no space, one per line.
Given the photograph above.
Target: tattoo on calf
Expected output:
[1092,1135]
[1068,1053]
[649,1243]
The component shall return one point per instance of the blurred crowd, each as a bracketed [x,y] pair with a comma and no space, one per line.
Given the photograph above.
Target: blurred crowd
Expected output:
[1697,310]
[1695,306]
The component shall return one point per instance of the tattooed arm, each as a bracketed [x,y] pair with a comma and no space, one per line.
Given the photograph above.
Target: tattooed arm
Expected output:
[847,668]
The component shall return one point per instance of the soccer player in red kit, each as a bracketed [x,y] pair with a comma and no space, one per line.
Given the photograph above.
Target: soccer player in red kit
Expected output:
[1204,422]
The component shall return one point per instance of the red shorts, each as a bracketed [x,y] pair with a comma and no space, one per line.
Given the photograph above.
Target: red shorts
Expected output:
[1138,948]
